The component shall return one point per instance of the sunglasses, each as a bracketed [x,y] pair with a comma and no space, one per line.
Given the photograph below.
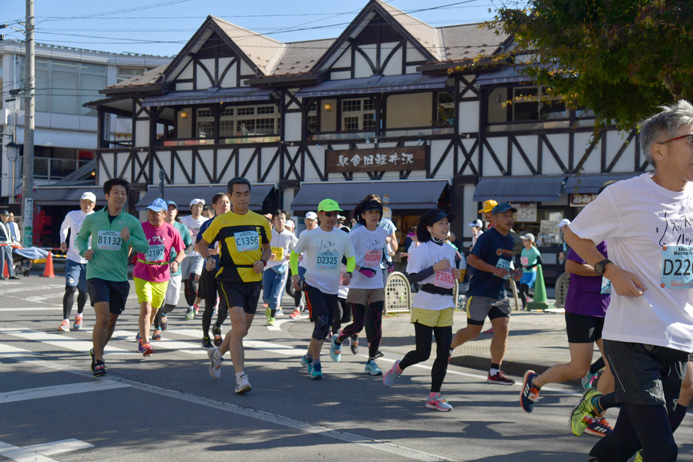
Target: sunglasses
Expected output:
[330,214]
[689,139]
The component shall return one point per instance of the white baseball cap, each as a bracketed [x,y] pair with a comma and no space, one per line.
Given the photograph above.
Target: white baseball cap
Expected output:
[477,223]
[88,196]
[527,237]
[563,222]
[312,216]
[197,201]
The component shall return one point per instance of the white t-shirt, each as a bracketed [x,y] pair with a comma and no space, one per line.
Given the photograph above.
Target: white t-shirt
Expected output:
[640,219]
[194,226]
[281,244]
[301,263]
[368,250]
[322,256]
[73,221]
[426,255]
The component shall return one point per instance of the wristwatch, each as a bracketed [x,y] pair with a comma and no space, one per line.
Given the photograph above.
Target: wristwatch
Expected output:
[601,266]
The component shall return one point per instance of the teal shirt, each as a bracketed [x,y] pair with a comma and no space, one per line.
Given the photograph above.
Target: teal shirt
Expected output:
[110,260]
[531,255]
[187,240]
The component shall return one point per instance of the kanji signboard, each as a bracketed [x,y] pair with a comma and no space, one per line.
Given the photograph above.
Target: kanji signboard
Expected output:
[378,159]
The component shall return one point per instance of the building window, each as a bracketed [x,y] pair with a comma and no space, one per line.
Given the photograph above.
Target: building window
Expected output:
[312,118]
[205,123]
[125,73]
[445,109]
[358,115]
[536,103]
[239,121]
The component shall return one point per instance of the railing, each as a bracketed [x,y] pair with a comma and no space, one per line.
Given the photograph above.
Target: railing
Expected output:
[249,139]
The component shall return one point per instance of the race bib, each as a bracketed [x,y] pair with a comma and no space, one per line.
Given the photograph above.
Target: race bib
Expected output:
[109,240]
[606,286]
[155,253]
[503,263]
[247,241]
[327,260]
[444,279]
[677,270]
[524,261]
[277,253]
[372,258]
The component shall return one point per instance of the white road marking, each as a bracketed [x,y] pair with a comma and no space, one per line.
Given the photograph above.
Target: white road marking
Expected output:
[33,308]
[57,390]
[21,454]
[59,340]
[59,447]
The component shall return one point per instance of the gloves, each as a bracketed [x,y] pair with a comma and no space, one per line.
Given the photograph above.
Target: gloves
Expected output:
[368,272]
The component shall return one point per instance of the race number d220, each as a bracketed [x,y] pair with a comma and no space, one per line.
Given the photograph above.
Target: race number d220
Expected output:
[677,267]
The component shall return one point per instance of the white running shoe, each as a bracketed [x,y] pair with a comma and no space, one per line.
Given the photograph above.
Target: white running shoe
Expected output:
[215,361]
[242,385]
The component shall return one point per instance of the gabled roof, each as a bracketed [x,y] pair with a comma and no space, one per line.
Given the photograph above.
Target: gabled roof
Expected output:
[425,34]
[466,41]
[300,57]
[263,51]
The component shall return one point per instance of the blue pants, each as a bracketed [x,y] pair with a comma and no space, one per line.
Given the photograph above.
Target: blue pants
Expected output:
[273,285]
[6,257]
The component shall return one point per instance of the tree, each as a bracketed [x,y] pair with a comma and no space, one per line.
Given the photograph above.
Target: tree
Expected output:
[619,58]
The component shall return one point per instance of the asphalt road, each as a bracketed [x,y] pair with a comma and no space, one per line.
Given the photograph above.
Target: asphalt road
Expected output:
[167,407]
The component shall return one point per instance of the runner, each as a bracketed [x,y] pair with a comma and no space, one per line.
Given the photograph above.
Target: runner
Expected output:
[486,214]
[244,238]
[491,260]
[75,265]
[208,285]
[648,328]
[432,265]
[153,268]
[173,289]
[366,290]
[114,233]
[277,270]
[530,257]
[192,265]
[311,221]
[322,249]
[476,226]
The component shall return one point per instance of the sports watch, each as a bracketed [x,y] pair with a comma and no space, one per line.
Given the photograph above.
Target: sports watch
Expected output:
[601,266]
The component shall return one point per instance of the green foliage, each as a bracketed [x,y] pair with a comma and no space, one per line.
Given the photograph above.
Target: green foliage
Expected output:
[620,58]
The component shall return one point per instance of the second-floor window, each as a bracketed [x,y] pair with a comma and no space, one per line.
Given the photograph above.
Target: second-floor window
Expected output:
[536,103]
[239,121]
[358,115]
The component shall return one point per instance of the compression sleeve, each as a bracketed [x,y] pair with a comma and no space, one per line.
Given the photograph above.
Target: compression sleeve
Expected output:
[420,276]
[293,262]
[351,264]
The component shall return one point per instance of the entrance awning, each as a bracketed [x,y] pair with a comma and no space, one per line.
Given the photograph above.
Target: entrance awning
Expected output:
[182,195]
[209,96]
[590,184]
[67,195]
[375,84]
[403,195]
[509,189]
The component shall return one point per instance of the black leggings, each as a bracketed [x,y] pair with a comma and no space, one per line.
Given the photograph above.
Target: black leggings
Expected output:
[342,316]
[165,309]
[523,292]
[423,351]
[69,300]
[372,318]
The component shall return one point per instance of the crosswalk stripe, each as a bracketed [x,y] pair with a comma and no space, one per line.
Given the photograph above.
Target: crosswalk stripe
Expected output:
[56,390]
[59,447]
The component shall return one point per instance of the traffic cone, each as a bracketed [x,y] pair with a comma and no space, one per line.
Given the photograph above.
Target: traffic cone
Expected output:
[540,301]
[6,271]
[48,272]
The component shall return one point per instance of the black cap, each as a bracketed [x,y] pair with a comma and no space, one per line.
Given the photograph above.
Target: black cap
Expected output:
[502,207]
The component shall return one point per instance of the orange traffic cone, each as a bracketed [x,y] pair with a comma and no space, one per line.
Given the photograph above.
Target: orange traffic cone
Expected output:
[48,272]
[6,271]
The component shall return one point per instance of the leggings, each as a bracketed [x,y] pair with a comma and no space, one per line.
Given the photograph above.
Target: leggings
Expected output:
[165,309]
[342,316]
[372,318]
[523,293]
[69,300]
[423,351]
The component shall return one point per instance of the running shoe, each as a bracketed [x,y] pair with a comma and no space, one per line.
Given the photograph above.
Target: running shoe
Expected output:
[270,321]
[529,393]
[215,361]
[307,363]
[354,345]
[268,312]
[99,368]
[296,314]
[279,313]
[584,413]
[488,331]
[372,368]
[392,375]
[78,322]
[147,347]
[196,307]
[316,373]
[190,314]
[335,350]
[638,456]
[207,342]
[93,361]
[64,326]
[242,385]
[589,380]
[164,322]
[598,427]
[216,330]
[157,334]
[438,403]
[499,378]
[379,354]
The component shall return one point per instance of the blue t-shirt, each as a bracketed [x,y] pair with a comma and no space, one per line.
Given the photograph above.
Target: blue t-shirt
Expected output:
[491,247]
[203,228]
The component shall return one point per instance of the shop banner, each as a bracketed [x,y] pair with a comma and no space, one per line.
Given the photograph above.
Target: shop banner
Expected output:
[377,159]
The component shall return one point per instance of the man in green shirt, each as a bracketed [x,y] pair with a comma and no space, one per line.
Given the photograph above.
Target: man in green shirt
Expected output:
[113,232]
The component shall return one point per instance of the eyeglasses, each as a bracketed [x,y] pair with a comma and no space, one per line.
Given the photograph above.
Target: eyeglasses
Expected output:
[330,214]
[689,139]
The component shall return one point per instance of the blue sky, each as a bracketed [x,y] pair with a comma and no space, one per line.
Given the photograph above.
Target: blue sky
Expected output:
[162,27]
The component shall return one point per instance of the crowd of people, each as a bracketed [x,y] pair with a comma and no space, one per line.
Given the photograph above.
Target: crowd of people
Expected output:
[228,255]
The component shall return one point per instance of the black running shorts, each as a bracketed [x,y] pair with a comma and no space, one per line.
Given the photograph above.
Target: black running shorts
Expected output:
[113,293]
[243,294]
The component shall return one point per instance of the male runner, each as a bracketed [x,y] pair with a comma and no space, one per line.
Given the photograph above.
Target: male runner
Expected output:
[113,232]
[311,221]
[75,265]
[323,250]
[153,268]
[192,265]
[277,270]
[244,238]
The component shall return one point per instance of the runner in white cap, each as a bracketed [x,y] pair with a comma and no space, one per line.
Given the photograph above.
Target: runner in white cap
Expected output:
[75,265]
[192,264]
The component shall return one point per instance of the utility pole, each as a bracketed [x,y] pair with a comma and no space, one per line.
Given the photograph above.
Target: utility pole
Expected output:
[29,110]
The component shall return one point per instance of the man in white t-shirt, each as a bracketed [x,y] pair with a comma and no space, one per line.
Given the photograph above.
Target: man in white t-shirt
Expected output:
[648,329]
[323,249]
[75,265]
[192,264]
[276,271]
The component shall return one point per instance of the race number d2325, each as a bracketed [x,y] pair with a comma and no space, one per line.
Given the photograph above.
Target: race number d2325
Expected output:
[677,267]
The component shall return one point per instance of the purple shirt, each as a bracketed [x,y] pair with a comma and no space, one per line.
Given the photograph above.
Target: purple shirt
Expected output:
[584,292]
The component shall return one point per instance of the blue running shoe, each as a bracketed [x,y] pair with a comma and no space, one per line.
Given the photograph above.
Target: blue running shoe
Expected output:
[335,350]
[392,375]
[316,373]
[529,393]
[307,363]
[372,368]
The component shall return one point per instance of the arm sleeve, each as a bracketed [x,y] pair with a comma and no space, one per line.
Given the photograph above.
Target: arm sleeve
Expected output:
[293,262]
[351,264]
[420,276]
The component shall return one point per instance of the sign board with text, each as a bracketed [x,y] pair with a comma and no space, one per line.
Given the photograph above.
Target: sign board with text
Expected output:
[581,200]
[377,159]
